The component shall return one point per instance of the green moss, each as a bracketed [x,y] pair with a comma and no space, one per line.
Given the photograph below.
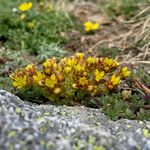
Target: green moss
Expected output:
[114,106]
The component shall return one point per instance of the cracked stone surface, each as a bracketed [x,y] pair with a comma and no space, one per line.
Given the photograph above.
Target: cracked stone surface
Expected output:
[46,127]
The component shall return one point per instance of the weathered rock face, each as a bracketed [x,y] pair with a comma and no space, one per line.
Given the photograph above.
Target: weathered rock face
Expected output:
[27,126]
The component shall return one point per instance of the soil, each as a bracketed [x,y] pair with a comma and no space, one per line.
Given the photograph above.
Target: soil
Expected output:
[79,41]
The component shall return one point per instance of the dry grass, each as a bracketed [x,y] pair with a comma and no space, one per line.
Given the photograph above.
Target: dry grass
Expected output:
[138,33]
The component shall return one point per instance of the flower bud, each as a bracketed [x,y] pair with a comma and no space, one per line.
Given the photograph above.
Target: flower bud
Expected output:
[60,78]
[57,91]
[90,88]
[74,86]
[94,92]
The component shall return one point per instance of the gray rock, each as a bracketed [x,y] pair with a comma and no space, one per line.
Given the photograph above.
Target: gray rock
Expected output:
[43,127]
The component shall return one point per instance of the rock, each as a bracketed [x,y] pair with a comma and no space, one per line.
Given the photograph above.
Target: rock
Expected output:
[99,18]
[90,12]
[28,126]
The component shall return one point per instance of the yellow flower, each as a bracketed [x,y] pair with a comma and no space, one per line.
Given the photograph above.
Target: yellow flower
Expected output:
[79,68]
[31,25]
[47,66]
[115,80]
[108,61]
[89,26]
[125,72]
[46,63]
[71,62]
[37,78]
[95,26]
[20,81]
[109,64]
[83,81]
[51,82]
[91,60]
[55,65]
[57,91]
[64,61]
[99,75]
[30,69]
[23,16]
[59,69]
[67,69]
[30,66]
[80,55]
[106,68]
[25,6]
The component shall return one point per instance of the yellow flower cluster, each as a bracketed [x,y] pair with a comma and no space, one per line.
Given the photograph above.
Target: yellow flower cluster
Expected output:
[77,73]
[90,26]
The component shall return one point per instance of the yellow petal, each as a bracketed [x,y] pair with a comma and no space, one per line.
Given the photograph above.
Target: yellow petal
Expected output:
[99,75]
[25,6]
[95,26]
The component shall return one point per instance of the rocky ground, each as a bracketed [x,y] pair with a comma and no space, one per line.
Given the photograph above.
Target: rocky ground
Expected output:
[41,127]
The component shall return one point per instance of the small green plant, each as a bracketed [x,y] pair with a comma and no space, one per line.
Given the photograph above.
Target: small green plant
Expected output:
[5,83]
[72,77]
[54,49]
[109,52]
[116,107]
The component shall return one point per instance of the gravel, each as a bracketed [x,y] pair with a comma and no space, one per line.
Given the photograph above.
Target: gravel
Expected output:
[29,126]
